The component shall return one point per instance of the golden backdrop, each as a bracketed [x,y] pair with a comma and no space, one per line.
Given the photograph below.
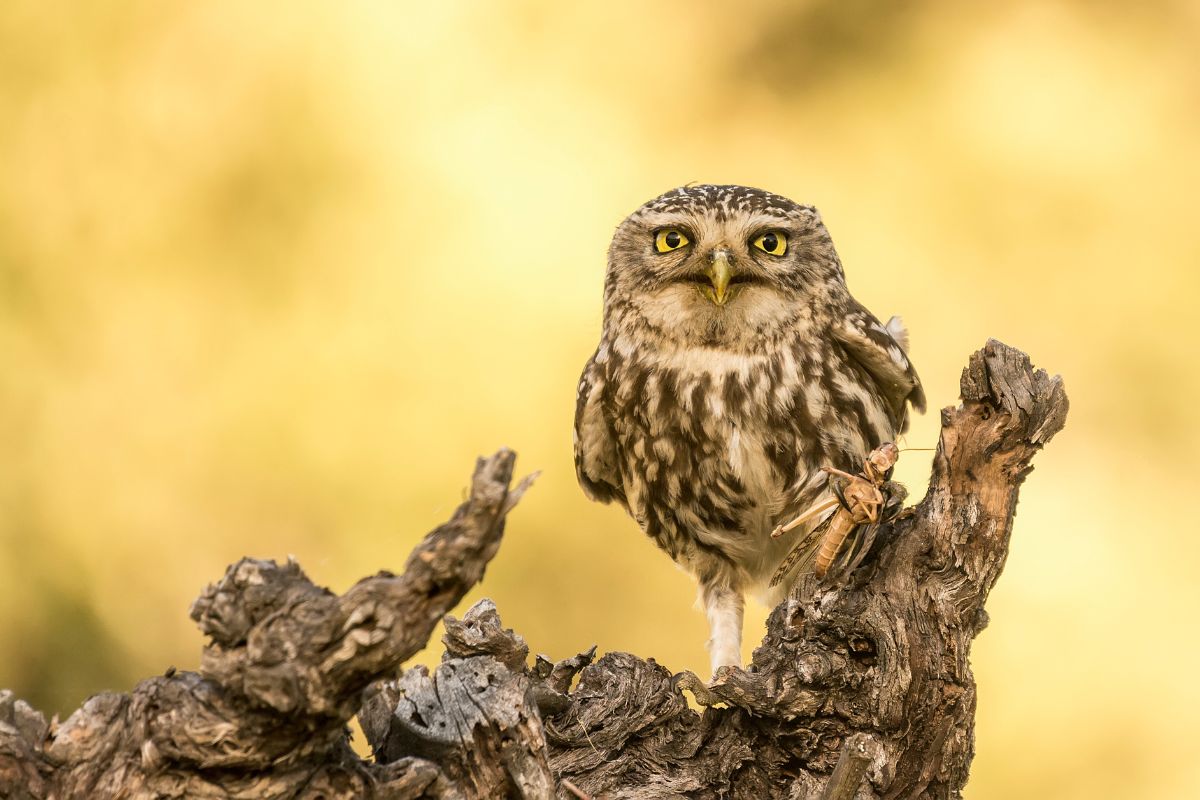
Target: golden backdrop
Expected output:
[272,276]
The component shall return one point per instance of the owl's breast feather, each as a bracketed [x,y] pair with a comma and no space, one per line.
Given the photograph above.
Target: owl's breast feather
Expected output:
[717,447]
[746,456]
[707,416]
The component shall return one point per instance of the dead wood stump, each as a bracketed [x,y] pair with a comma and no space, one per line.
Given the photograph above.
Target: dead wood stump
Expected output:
[862,690]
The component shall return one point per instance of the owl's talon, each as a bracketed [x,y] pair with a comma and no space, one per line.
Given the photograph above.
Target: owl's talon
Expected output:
[721,674]
[705,696]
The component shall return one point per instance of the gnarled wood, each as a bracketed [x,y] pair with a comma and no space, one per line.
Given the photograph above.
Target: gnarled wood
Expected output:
[282,675]
[871,674]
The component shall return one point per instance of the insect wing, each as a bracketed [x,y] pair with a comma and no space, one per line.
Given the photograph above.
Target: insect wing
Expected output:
[802,555]
[864,537]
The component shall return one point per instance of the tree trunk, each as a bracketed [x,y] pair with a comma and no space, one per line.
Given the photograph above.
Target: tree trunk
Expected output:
[859,690]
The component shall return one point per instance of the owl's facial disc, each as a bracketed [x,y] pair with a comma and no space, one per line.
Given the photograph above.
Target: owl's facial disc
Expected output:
[720,266]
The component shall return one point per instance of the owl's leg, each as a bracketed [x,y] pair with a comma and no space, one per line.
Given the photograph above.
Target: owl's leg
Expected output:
[723,605]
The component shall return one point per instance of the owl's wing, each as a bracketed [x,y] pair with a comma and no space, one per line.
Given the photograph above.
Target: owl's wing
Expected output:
[595,442]
[881,350]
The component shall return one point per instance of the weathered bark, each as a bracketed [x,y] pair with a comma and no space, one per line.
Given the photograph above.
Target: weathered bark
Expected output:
[870,676]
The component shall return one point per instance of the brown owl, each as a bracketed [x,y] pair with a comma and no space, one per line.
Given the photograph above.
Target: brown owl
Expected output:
[733,365]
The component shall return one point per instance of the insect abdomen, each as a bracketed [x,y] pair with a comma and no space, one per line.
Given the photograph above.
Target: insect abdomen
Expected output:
[831,543]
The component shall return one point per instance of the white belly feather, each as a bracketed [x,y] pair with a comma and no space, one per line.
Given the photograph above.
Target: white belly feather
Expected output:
[745,454]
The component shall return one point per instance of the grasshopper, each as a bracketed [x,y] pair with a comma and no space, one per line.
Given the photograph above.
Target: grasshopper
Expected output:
[860,502]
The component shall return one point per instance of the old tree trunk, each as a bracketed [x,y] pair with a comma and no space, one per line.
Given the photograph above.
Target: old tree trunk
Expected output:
[860,690]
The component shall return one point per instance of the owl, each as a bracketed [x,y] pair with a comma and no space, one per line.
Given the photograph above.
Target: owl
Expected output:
[733,364]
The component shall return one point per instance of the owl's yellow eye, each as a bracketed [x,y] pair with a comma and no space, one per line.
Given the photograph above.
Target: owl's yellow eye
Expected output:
[668,240]
[772,242]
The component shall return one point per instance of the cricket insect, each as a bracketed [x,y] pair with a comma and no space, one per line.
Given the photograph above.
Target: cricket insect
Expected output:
[861,502]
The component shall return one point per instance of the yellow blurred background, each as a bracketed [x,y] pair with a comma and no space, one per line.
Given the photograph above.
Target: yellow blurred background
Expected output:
[271,276]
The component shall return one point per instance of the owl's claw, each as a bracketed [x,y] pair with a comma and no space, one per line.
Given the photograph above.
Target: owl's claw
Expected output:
[704,695]
[703,692]
[720,674]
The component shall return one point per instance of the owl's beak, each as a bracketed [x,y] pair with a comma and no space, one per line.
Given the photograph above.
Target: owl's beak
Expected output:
[720,272]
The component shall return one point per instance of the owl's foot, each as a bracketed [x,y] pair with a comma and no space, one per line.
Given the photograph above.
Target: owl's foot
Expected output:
[723,607]
[721,673]
[725,651]
[703,692]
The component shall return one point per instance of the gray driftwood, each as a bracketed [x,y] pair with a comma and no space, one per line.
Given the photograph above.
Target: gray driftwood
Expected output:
[861,690]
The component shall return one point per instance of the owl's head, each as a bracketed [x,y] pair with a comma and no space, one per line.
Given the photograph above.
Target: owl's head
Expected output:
[721,266]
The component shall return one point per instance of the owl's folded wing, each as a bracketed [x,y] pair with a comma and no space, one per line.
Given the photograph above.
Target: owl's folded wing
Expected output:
[595,443]
[881,351]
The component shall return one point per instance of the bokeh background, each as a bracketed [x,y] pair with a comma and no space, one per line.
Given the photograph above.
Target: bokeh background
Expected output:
[272,276]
